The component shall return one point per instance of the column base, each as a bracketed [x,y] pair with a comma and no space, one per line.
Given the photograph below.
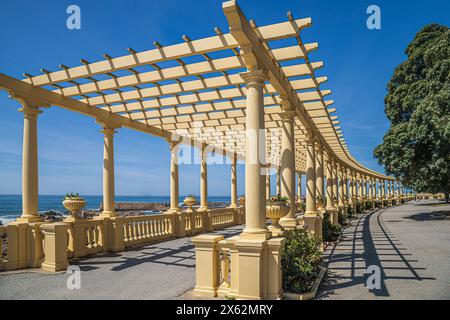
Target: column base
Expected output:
[288,223]
[108,214]
[29,219]
[255,234]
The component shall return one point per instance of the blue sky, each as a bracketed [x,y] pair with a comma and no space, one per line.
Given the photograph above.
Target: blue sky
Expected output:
[33,35]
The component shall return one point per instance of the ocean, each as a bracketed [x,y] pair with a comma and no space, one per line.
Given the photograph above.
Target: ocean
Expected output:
[11,205]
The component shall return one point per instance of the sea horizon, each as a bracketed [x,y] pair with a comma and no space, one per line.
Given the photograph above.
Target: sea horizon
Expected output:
[11,204]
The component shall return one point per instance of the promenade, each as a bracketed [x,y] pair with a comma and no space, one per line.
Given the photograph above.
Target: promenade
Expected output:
[409,243]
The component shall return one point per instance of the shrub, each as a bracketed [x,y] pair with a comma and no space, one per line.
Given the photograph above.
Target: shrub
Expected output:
[330,232]
[350,211]
[300,260]
[342,218]
[302,206]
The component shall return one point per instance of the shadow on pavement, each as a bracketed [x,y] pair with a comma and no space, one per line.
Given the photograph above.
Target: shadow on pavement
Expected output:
[366,244]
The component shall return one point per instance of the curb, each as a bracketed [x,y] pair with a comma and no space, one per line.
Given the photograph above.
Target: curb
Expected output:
[311,294]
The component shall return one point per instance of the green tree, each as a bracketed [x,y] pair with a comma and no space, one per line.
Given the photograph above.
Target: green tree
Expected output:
[416,148]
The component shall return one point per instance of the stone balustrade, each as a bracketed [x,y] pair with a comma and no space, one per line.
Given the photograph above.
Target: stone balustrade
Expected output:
[51,245]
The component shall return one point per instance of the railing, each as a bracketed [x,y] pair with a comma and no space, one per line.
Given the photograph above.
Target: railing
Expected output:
[227,267]
[222,218]
[86,237]
[82,237]
[197,222]
[144,229]
[3,246]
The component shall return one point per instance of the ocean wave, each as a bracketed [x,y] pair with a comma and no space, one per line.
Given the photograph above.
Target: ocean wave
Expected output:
[8,218]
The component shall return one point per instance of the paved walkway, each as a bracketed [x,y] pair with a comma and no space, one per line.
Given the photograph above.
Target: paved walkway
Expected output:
[163,270]
[410,244]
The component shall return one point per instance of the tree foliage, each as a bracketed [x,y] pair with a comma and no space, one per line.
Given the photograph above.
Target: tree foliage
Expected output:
[416,147]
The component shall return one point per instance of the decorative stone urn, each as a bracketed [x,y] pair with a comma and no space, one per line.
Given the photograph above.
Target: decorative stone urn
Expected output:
[190,201]
[74,204]
[242,200]
[275,211]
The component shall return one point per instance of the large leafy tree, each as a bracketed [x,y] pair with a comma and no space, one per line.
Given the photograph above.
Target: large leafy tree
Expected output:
[416,147]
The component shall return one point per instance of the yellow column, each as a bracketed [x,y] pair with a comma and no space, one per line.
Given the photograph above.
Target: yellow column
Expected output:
[371,192]
[108,172]
[288,166]
[255,204]
[30,210]
[341,189]
[329,174]
[233,182]
[174,188]
[278,181]
[268,183]
[319,179]
[312,219]
[346,197]
[334,170]
[299,187]
[203,179]
[310,177]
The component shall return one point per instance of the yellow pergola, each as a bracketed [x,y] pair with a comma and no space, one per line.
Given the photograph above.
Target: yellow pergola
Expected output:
[233,91]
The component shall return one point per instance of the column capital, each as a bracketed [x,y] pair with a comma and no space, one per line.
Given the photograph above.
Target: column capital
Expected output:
[287,115]
[319,147]
[108,128]
[30,112]
[310,138]
[252,78]
[30,106]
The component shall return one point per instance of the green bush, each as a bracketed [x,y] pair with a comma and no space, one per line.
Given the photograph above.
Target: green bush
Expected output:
[300,260]
[342,218]
[302,206]
[350,211]
[358,207]
[330,232]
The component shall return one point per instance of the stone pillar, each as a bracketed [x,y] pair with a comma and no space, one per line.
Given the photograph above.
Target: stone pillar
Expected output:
[255,204]
[288,166]
[329,189]
[346,196]
[203,179]
[371,193]
[108,171]
[174,187]
[207,262]
[55,246]
[335,176]
[233,181]
[341,189]
[364,190]
[311,217]
[278,181]
[268,184]
[299,187]
[30,210]
[353,190]
[319,179]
